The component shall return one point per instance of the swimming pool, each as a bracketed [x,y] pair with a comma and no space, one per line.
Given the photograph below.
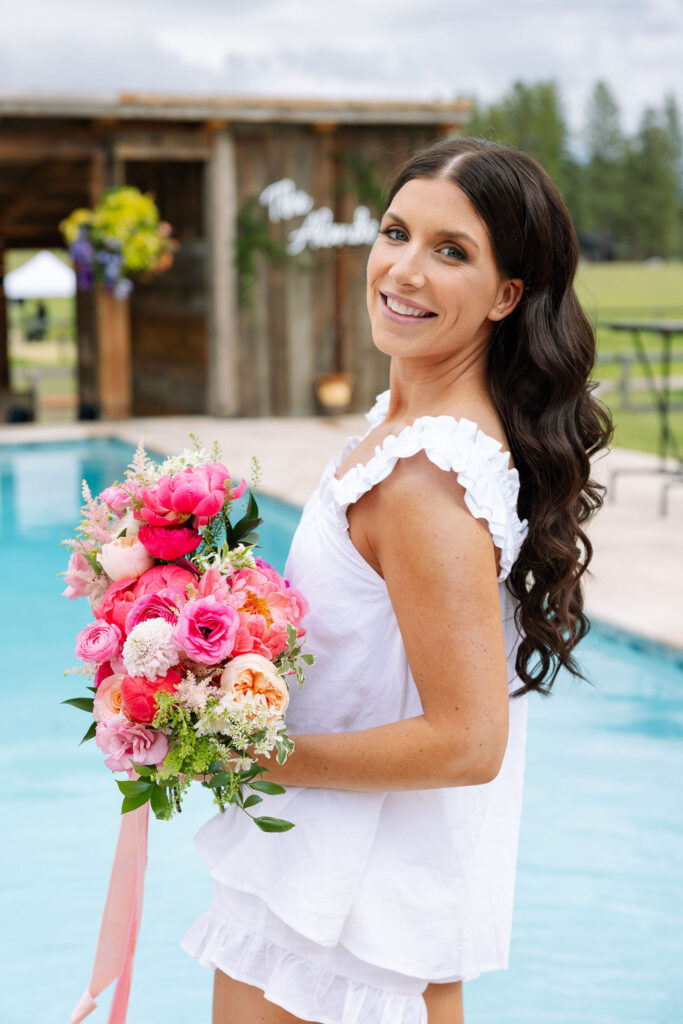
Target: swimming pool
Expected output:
[597,935]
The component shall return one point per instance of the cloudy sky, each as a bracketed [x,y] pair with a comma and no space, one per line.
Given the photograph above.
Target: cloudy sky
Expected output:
[374,49]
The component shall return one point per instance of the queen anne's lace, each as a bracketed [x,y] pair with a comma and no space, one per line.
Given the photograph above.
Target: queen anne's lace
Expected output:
[482,467]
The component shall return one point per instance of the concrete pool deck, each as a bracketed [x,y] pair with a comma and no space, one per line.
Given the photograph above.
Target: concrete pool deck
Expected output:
[637,568]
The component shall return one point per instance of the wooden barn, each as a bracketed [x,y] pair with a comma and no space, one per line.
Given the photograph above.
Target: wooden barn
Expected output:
[274,203]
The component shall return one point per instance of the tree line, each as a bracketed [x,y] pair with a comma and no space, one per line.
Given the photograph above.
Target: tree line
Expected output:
[624,193]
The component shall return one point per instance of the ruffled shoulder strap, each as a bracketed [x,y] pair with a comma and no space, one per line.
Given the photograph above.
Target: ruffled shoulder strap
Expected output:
[458,445]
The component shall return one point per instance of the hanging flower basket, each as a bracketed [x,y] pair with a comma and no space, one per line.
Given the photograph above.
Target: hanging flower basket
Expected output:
[121,238]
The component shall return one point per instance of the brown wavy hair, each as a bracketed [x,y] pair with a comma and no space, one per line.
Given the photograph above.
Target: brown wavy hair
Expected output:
[540,358]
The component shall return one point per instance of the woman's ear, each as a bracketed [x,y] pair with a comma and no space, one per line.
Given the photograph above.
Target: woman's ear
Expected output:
[509,294]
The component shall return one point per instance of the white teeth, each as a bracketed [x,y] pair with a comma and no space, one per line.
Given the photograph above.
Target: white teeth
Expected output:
[404,310]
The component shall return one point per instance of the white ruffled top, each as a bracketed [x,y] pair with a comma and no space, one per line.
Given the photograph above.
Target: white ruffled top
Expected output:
[373,895]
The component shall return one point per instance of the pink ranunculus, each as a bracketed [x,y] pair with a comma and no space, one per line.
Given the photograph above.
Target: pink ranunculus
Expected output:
[116,498]
[163,605]
[206,630]
[137,695]
[98,642]
[108,701]
[117,601]
[169,542]
[196,491]
[125,558]
[252,681]
[129,742]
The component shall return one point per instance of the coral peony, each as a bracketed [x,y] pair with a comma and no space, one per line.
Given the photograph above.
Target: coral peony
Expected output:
[127,743]
[124,558]
[251,680]
[169,542]
[98,642]
[206,630]
[265,604]
[137,695]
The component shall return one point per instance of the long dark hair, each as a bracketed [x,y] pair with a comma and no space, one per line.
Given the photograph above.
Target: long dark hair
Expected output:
[540,358]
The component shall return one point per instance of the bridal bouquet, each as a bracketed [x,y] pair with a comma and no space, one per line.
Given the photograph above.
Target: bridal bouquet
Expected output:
[193,638]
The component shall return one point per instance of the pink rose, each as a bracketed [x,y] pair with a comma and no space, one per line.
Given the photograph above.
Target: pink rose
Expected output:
[127,742]
[196,491]
[169,542]
[137,695]
[251,681]
[163,605]
[116,498]
[98,642]
[108,702]
[206,630]
[117,601]
[125,558]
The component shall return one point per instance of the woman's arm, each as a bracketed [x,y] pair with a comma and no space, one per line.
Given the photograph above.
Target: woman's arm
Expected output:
[438,562]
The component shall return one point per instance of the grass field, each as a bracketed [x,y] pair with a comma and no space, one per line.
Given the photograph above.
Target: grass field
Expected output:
[608,291]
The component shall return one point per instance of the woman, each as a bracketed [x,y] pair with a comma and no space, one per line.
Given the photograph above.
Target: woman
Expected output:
[439,556]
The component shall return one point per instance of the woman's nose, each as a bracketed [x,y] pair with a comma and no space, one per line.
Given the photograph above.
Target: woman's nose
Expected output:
[408,268]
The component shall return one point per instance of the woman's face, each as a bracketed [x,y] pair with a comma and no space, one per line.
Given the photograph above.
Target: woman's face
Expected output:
[433,287]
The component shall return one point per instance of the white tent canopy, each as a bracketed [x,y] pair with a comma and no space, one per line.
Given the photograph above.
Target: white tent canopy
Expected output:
[44,276]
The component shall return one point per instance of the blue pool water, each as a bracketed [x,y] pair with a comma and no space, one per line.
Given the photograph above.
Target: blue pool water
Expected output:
[597,935]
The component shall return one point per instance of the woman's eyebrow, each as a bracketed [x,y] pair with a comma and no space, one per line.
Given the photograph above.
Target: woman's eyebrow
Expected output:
[444,233]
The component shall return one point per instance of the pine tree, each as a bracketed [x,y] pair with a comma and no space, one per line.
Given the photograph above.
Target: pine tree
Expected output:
[604,177]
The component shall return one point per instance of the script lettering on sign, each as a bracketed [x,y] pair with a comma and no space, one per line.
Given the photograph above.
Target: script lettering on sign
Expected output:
[319,229]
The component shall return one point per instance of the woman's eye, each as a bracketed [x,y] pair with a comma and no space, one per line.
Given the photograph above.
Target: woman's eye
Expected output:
[454,252]
[394,233]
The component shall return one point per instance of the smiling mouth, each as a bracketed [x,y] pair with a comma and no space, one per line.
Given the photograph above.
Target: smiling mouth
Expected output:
[403,309]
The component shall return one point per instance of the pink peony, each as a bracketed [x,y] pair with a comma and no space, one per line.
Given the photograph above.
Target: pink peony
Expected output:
[127,742]
[195,491]
[124,558]
[108,702]
[116,498]
[206,630]
[213,582]
[98,642]
[117,601]
[169,542]
[137,695]
[163,605]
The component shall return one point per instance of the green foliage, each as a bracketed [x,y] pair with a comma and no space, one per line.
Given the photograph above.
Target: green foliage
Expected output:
[361,180]
[254,237]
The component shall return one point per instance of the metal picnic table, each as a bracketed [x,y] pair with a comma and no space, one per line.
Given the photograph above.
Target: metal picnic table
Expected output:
[661,394]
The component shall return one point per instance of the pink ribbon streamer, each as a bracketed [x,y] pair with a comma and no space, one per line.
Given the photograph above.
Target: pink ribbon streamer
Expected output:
[120,921]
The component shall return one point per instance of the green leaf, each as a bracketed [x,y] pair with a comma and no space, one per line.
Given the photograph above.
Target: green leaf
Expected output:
[258,736]
[291,635]
[131,803]
[267,824]
[82,703]
[307,659]
[160,803]
[144,769]
[263,786]
[252,800]
[90,558]
[134,787]
[221,779]
[90,733]
[91,688]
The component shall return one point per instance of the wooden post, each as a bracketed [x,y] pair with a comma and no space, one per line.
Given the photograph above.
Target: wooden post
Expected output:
[220,218]
[4,347]
[114,356]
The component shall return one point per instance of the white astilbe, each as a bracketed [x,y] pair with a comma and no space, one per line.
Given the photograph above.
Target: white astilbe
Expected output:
[150,650]
[142,469]
[225,560]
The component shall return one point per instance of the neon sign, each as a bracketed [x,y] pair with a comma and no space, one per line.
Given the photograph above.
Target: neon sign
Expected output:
[318,229]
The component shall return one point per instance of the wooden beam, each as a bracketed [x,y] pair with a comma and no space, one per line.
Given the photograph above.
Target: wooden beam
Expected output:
[162,145]
[113,356]
[220,215]
[19,147]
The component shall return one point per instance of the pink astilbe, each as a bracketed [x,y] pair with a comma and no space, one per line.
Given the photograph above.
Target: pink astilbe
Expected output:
[96,521]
